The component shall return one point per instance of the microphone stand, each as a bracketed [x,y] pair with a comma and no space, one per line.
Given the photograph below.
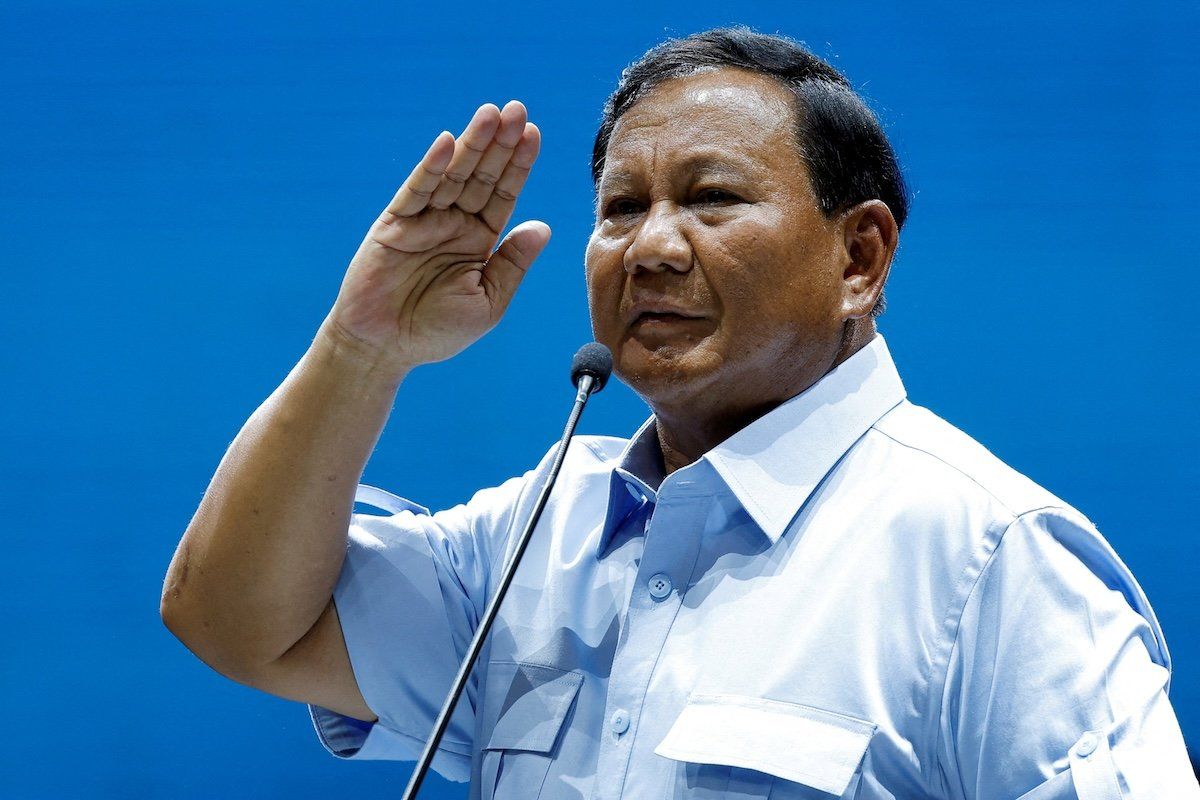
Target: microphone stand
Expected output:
[586,383]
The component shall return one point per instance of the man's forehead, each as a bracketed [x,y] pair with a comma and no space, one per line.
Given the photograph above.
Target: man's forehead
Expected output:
[725,89]
[706,98]
[706,118]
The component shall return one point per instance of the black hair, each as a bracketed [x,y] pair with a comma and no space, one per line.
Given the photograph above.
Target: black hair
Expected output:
[841,142]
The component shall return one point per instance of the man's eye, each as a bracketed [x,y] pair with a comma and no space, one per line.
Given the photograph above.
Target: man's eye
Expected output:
[716,196]
[622,206]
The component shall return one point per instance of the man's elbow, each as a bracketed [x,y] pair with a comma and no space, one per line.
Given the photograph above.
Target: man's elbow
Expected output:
[182,626]
[171,601]
[189,626]
[170,604]
[174,619]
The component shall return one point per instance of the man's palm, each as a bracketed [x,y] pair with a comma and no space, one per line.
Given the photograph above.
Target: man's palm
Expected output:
[425,283]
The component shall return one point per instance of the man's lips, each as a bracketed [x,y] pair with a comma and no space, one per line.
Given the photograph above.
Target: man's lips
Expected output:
[660,312]
[654,318]
[658,327]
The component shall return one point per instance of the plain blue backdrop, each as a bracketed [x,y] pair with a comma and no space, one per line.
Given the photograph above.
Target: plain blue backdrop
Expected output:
[182,188]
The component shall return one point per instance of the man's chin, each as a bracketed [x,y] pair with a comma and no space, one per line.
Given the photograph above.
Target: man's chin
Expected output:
[666,369]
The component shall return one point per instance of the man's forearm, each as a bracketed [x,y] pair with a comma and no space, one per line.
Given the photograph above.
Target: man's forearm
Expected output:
[260,558]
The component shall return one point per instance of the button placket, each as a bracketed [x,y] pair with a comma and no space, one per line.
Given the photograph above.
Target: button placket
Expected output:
[678,528]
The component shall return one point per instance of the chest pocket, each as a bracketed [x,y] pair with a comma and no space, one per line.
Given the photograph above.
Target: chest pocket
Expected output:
[525,706]
[734,746]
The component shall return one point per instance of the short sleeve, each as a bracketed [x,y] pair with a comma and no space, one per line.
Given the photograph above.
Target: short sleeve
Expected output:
[1057,682]
[412,589]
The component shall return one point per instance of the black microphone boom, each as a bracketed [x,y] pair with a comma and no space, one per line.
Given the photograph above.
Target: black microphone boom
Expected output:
[589,372]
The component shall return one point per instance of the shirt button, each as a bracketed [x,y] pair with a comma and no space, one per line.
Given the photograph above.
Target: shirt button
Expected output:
[619,721]
[660,585]
[1087,744]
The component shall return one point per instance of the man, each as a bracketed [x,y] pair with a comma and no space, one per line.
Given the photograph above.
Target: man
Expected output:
[790,582]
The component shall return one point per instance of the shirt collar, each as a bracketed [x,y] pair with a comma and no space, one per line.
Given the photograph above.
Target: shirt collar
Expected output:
[772,465]
[634,482]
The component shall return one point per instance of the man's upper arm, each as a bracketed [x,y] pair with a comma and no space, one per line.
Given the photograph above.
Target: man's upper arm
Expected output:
[1057,686]
[316,670]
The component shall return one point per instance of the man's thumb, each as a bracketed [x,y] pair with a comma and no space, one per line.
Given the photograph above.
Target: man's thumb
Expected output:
[506,267]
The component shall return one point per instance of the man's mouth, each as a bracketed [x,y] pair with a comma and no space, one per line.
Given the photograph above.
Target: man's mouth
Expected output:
[660,311]
[663,318]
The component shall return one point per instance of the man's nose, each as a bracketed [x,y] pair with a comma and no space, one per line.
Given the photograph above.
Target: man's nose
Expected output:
[659,243]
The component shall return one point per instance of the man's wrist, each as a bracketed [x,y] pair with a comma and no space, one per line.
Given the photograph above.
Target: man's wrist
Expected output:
[335,349]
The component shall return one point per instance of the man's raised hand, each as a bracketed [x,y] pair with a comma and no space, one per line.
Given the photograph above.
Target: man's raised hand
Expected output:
[428,279]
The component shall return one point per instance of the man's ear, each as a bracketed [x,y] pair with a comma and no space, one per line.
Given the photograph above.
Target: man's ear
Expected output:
[870,237]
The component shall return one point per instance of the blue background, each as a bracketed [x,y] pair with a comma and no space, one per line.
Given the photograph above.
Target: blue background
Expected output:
[184,184]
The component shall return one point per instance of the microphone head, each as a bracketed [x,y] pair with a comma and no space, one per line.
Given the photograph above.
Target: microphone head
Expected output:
[592,359]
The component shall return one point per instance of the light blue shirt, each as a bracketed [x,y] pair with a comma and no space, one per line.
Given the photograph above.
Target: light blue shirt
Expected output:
[847,598]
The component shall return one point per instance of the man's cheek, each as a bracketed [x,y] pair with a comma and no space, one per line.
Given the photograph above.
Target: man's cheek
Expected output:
[606,322]
[604,295]
[597,297]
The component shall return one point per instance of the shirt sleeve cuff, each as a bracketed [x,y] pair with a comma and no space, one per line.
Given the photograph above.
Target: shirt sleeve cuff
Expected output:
[349,738]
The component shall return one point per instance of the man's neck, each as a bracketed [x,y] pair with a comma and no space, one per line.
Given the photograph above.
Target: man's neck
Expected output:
[687,433]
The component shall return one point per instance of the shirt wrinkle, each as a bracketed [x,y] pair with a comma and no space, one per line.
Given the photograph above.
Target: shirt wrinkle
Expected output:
[957,609]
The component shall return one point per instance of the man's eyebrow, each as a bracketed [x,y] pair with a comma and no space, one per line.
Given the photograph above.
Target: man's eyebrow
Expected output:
[617,177]
[719,162]
[702,162]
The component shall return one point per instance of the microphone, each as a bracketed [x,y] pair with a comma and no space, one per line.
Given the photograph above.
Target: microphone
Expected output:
[593,361]
[589,372]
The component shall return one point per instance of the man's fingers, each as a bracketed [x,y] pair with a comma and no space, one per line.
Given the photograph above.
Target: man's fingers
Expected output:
[414,193]
[503,272]
[468,149]
[491,166]
[503,199]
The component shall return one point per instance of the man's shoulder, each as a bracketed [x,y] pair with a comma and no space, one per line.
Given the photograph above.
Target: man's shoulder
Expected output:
[589,458]
[928,454]
[930,446]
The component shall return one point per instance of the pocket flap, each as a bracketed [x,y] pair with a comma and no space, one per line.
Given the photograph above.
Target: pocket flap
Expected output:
[808,745]
[529,703]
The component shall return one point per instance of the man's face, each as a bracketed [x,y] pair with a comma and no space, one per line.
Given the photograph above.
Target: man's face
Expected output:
[711,265]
